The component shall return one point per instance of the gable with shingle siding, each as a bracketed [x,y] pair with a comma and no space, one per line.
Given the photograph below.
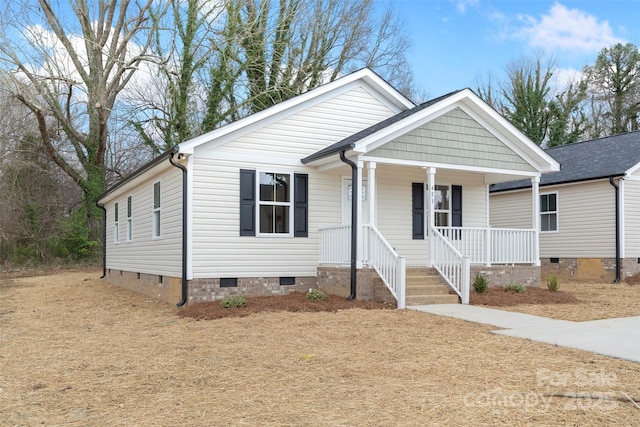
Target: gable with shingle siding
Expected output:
[453,138]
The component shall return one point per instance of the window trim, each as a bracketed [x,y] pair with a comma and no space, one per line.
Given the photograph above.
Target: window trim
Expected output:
[290,203]
[116,223]
[129,218]
[556,212]
[156,222]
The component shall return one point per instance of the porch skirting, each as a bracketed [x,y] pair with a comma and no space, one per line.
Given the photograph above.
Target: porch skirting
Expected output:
[588,269]
[336,280]
[503,275]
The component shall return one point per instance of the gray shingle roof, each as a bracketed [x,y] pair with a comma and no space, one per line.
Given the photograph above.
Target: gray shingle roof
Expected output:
[588,160]
[350,141]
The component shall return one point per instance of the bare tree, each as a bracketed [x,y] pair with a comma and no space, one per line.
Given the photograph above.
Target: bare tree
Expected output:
[274,50]
[68,63]
[614,83]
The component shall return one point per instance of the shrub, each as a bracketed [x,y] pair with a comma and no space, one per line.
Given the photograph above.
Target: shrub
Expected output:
[514,287]
[316,295]
[480,284]
[233,301]
[552,283]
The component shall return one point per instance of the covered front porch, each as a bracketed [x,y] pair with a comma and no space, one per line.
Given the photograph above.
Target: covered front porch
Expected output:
[391,218]
[418,194]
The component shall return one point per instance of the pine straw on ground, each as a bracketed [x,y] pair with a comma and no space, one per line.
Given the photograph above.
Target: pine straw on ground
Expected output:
[575,301]
[77,351]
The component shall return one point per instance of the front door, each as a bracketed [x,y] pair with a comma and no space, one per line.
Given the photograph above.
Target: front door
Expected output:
[346,201]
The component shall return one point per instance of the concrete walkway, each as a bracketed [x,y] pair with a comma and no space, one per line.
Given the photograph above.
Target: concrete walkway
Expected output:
[619,338]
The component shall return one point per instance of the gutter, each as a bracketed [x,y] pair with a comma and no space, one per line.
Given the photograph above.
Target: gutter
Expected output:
[184,283]
[104,240]
[354,222]
[617,190]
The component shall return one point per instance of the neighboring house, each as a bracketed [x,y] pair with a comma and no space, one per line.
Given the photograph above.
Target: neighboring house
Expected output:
[264,205]
[590,209]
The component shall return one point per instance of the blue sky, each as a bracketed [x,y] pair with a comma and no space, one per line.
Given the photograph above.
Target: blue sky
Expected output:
[454,41]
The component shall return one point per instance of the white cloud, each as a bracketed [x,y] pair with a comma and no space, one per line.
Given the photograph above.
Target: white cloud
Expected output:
[564,29]
[461,5]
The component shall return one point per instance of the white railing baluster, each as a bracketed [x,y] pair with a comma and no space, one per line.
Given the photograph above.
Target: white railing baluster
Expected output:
[486,245]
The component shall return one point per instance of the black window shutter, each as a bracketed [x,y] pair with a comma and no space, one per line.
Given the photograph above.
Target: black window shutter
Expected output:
[456,206]
[247,202]
[417,203]
[300,205]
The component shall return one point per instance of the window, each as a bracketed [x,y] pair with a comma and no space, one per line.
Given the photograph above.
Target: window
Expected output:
[156,209]
[129,223]
[441,205]
[116,230]
[548,212]
[273,203]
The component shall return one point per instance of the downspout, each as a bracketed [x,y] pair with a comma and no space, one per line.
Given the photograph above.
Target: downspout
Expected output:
[354,222]
[183,301]
[104,240]
[617,187]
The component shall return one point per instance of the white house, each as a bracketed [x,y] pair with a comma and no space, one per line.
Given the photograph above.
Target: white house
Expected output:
[265,205]
[590,215]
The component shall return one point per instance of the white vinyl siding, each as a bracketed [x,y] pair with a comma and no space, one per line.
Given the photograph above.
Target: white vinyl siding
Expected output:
[145,254]
[218,248]
[312,129]
[586,224]
[511,210]
[631,227]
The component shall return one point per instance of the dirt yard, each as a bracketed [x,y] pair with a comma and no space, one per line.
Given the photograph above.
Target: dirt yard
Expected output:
[77,351]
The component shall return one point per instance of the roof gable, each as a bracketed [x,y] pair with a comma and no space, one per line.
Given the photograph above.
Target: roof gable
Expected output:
[454,138]
[407,121]
[365,77]
[616,155]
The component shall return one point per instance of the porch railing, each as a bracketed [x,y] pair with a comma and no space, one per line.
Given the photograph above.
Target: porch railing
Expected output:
[390,266]
[451,264]
[493,245]
[336,244]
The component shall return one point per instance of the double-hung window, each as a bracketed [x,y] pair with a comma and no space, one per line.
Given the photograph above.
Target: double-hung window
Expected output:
[273,203]
[116,230]
[441,205]
[548,212]
[156,209]
[129,220]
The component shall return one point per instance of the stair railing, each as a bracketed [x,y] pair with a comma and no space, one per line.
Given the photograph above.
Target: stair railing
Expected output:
[390,266]
[450,263]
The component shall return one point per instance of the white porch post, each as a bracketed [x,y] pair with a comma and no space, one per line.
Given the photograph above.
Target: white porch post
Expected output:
[371,175]
[487,232]
[429,217]
[535,195]
[360,248]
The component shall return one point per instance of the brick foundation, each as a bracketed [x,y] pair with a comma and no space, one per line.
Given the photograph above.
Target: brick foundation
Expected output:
[163,288]
[588,269]
[502,275]
[169,289]
[203,290]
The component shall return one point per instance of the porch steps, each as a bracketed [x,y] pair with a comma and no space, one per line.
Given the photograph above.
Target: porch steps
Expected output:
[426,286]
